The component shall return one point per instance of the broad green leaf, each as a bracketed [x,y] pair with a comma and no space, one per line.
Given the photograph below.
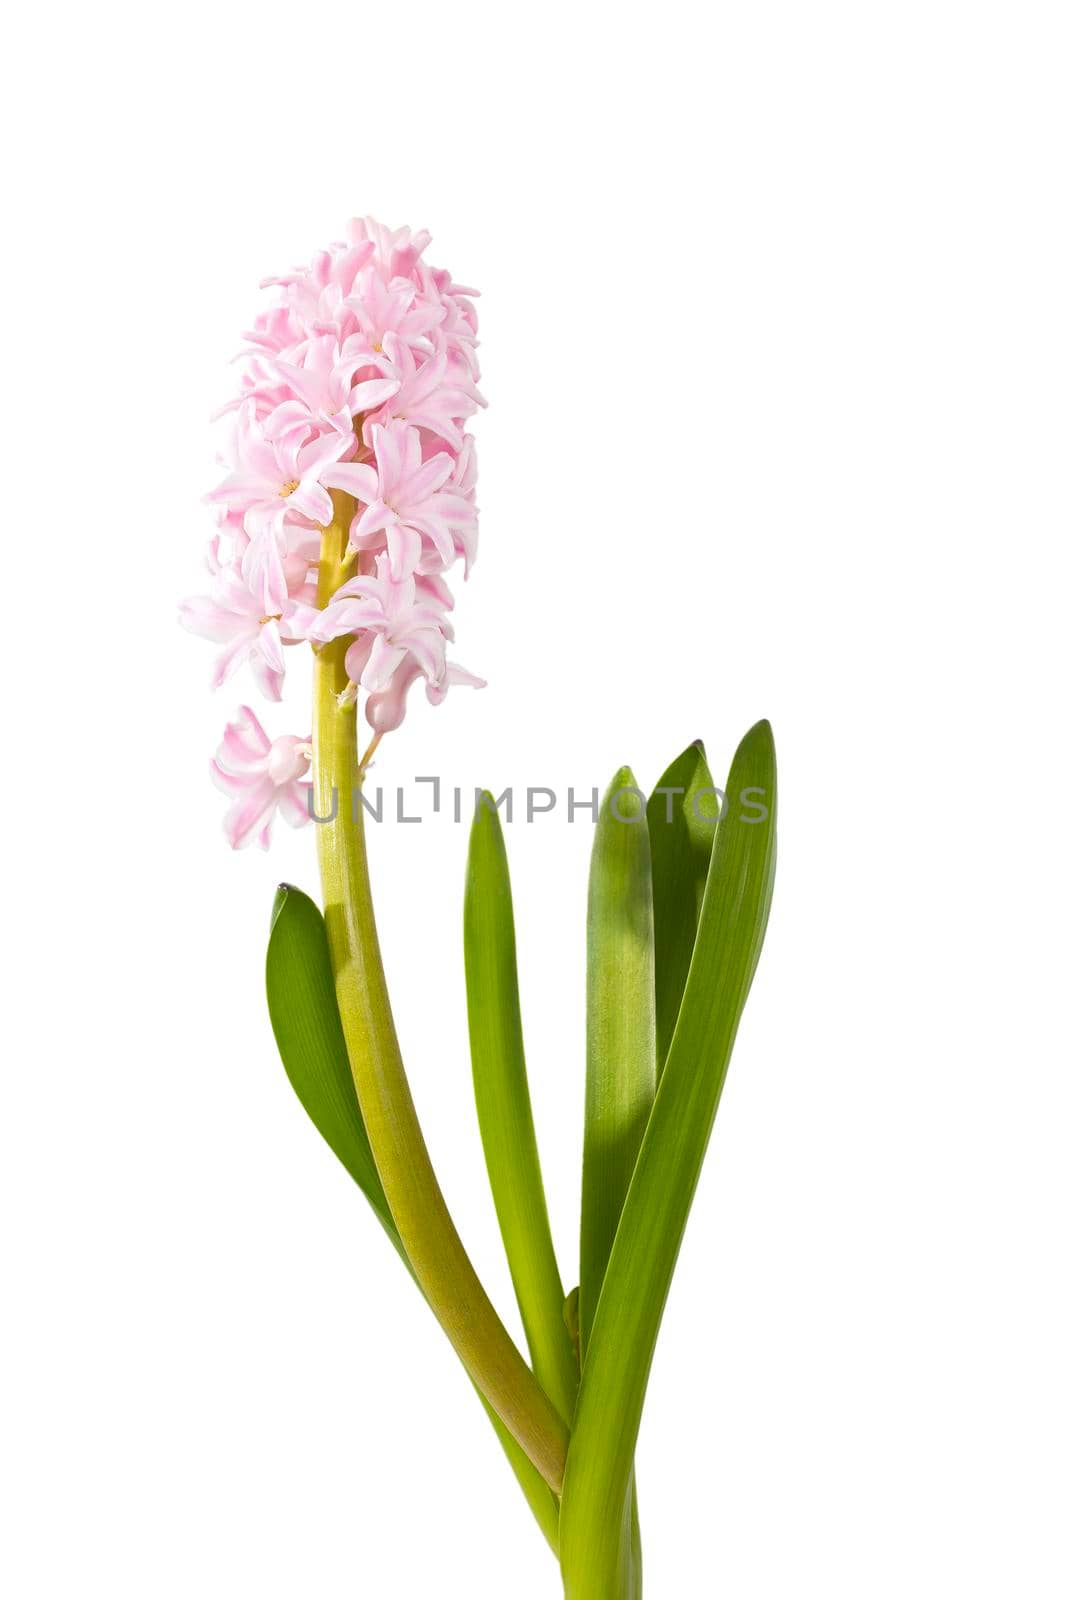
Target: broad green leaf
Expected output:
[618,1358]
[307,1027]
[504,1114]
[681,831]
[620,1077]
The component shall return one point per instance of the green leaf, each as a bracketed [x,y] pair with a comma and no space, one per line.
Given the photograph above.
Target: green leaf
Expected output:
[620,1080]
[307,1027]
[504,1113]
[618,1359]
[681,831]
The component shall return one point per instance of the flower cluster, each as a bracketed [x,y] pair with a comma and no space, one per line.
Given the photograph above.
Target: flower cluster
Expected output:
[361,381]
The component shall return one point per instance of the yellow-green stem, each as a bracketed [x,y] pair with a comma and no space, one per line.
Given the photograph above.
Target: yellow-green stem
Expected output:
[433,1247]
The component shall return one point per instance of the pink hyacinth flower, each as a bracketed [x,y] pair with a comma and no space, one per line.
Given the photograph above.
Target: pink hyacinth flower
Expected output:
[260,777]
[276,331]
[315,295]
[272,478]
[396,250]
[401,628]
[406,506]
[232,615]
[432,396]
[387,708]
[392,617]
[395,307]
[322,393]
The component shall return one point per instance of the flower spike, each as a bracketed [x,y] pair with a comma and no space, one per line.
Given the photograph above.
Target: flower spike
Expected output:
[355,391]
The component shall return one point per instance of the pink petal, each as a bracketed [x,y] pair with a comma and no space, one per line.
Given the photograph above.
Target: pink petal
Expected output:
[405,547]
[243,818]
[312,501]
[353,477]
[264,574]
[293,803]
[372,393]
[381,664]
[231,658]
[201,615]
[268,681]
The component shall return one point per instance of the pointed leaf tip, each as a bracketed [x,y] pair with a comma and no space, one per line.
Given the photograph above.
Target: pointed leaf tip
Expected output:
[682,814]
[631,802]
[760,731]
[623,779]
[280,897]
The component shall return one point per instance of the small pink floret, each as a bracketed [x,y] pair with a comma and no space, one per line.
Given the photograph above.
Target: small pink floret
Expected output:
[260,777]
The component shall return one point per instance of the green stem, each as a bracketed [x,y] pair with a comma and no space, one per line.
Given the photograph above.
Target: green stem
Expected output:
[433,1247]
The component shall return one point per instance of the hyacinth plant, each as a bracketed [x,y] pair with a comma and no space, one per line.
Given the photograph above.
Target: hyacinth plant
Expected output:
[348,494]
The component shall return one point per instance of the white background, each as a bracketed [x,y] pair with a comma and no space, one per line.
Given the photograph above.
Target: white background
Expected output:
[775,345]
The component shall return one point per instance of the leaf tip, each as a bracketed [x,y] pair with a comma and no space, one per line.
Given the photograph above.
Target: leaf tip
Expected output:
[280,897]
[485,822]
[623,779]
[762,733]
